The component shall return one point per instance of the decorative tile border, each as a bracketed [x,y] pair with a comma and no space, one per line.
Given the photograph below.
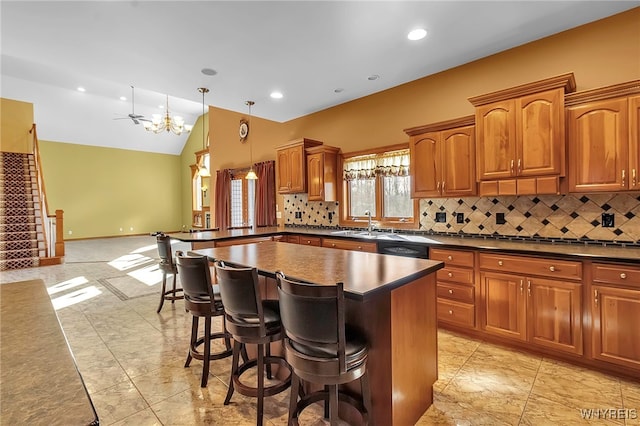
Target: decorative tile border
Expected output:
[553,217]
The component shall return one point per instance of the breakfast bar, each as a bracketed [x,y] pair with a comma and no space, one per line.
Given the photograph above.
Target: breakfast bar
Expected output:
[391,299]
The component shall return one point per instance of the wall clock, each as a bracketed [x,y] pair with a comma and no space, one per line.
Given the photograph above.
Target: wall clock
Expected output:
[243,131]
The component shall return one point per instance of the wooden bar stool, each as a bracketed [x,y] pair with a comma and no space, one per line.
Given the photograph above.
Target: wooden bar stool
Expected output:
[203,301]
[251,320]
[321,348]
[167,266]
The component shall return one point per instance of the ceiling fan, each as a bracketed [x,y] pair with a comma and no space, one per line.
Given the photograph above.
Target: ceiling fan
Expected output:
[136,118]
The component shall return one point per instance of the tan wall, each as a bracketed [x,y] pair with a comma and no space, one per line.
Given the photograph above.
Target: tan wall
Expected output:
[599,54]
[16,119]
[104,189]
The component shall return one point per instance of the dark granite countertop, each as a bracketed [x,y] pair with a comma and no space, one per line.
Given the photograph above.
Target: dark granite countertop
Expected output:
[564,248]
[363,274]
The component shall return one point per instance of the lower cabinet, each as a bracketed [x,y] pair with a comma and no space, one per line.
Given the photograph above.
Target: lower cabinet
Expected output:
[455,287]
[544,311]
[349,245]
[615,314]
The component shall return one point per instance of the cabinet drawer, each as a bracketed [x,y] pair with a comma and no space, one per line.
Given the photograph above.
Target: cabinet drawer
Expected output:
[456,275]
[238,241]
[461,293]
[294,239]
[616,274]
[456,313]
[349,245]
[310,241]
[531,266]
[452,257]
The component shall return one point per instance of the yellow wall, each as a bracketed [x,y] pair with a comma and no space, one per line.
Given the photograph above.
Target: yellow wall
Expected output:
[103,189]
[194,144]
[599,54]
[16,119]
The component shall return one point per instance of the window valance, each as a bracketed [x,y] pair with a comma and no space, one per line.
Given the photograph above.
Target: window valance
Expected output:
[392,163]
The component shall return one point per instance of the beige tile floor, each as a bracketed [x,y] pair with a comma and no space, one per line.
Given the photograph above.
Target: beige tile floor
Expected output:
[132,358]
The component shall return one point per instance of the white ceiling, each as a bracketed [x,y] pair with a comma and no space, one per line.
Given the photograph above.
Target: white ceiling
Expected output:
[305,49]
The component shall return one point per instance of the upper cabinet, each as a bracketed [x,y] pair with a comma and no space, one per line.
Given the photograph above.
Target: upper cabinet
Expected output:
[603,133]
[442,159]
[322,173]
[292,166]
[520,137]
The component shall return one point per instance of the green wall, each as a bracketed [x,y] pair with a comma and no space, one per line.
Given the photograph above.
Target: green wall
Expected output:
[104,190]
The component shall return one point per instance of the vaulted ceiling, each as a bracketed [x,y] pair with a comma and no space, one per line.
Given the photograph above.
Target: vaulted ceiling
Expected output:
[316,53]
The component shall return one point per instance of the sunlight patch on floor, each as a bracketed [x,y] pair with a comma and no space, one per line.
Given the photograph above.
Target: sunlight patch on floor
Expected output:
[75,297]
[66,285]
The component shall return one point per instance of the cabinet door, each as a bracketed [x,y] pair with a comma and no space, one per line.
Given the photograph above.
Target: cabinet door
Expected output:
[634,143]
[284,171]
[615,332]
[598,146]
[496,140]
[298,169]
[504,305]
[540,132]
[425,165]
[554,311]
[458,162]
[315,169]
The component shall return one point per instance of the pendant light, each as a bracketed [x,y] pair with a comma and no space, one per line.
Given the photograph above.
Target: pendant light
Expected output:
[203,171]
[251,175]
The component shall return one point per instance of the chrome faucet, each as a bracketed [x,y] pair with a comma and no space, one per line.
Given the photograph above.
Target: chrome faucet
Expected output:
[369,225]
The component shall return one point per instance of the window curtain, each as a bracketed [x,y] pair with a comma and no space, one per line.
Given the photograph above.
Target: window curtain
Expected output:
[266,194]
[223,199]
[393,163]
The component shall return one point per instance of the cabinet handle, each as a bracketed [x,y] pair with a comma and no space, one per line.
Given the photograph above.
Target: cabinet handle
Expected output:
[308,242]
[521,289]
[443,186]
[624,176]
[528,288]
[450,275]
[595,296]
[450,312]
[333,245]
[499,262]
[438,187]
[623,275]
[449,257]
[450,291]
[359,247]
[552,268]
[511,167]
[633,177]
[519,165]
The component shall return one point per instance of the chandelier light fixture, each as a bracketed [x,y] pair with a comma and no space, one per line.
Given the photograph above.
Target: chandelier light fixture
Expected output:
[203,171]
[159,124]
[251,175]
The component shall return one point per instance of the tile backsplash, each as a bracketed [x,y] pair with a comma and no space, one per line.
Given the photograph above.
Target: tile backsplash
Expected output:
[549,216]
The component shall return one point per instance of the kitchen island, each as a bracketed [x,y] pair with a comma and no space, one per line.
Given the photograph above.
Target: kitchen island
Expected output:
[391,299]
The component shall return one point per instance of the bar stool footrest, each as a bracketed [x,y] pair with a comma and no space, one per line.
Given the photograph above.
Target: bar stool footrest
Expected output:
[196,354]
[274,389]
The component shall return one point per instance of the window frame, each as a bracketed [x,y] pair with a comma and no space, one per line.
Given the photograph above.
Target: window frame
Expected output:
[380,222]
[247,222]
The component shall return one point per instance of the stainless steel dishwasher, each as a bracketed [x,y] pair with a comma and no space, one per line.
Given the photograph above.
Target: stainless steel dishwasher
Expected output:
[398,247]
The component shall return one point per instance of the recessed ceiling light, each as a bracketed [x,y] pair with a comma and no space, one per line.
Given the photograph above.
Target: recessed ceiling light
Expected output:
[208,71]
[123,98]
[338,90]
[81,89]
[417,34]
[276,95]
[373,77]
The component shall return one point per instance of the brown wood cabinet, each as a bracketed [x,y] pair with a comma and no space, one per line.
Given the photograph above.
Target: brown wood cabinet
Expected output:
[237,241]
[306,240]
[520,133]
[603,134]
[615,314]
[455,287]
[322,173]
[532,299]
[292,167]
[349,245]
[442,159]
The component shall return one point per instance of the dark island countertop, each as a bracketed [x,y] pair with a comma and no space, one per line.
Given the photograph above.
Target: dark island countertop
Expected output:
[363,274]
[602,252]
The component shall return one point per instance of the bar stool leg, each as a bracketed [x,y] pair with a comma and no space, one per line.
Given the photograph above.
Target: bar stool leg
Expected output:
[293,398]
[268,354]
[366,397]
[260,384]
[234,369]
[173,300]
[207,351]
[326,402]
[194,338]
[164,288]
[333,405]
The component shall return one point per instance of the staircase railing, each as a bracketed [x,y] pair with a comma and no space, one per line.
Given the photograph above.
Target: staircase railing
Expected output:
[52,225]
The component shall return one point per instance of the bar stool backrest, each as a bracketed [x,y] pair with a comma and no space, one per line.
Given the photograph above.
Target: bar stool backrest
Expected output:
[167,263]
[313,316]
[196,280]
